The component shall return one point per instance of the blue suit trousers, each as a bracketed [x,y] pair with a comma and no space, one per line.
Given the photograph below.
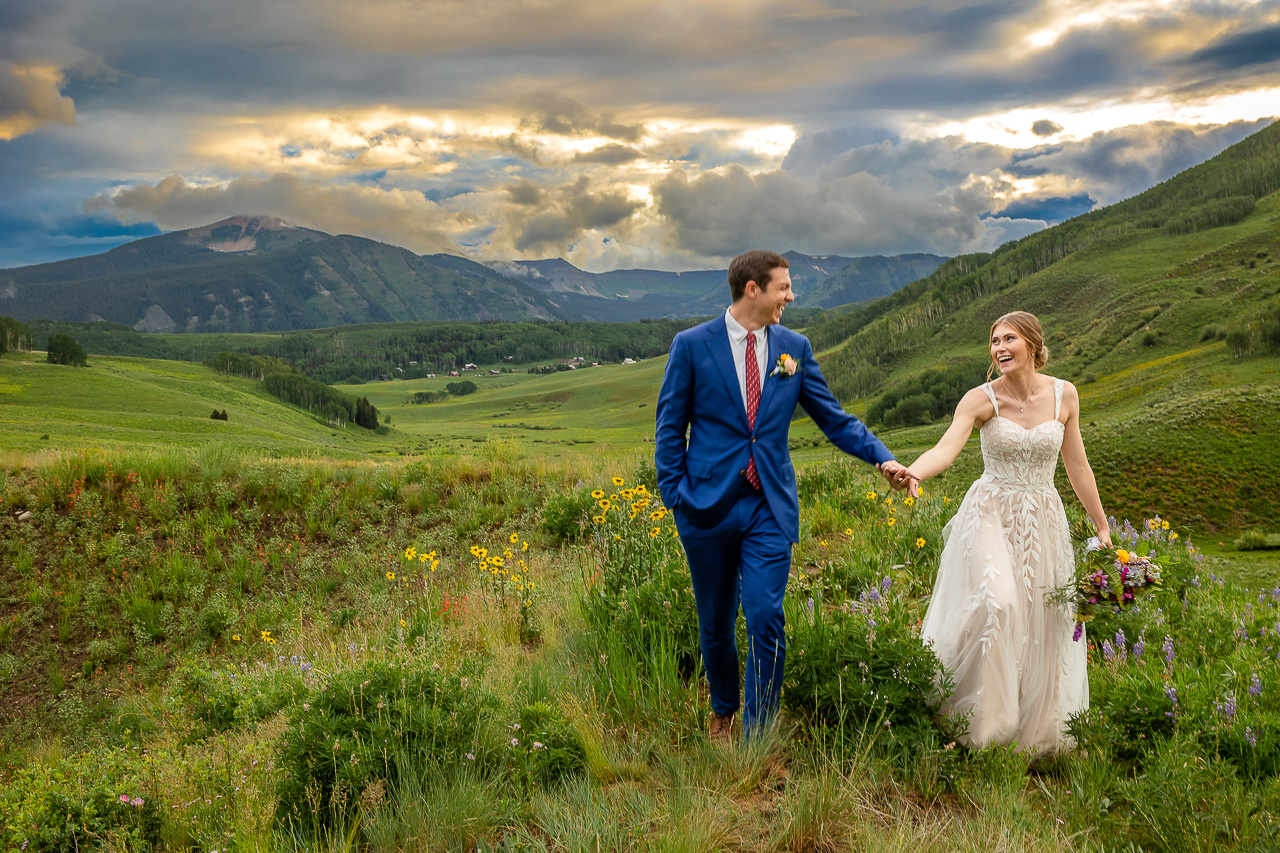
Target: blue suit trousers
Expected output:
[745,559]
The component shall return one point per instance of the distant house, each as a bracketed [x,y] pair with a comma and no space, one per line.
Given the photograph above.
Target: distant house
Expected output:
[453,373]
[508,359]
[470,366]
[431,376]
[495,372]
[577,358]
[628,361]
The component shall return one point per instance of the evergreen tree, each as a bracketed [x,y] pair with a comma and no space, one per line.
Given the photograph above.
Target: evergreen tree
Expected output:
[63,349]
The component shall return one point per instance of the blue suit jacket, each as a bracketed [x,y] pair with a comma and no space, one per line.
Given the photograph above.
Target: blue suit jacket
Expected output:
[702,478]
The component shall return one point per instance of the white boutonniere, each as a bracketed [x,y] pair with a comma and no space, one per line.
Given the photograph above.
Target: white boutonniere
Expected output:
[786,366]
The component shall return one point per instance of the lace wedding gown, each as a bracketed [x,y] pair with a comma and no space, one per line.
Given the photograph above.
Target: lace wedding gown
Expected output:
[1010,653]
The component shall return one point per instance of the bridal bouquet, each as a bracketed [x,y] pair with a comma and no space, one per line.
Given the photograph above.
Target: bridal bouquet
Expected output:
[1108,580]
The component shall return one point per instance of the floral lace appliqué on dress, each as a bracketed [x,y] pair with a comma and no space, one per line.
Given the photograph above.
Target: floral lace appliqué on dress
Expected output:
[1016,670]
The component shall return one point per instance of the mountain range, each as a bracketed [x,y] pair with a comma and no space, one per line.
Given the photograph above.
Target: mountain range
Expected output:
[259,273]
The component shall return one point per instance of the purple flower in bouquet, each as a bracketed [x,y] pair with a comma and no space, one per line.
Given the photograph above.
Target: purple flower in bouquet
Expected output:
[1078,633]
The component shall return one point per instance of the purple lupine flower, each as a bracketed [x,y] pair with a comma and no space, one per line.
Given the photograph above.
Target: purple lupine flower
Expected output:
[1250,736]
[1107,651]
[1167,648]
[885,584]
[1255,685]
[1139,647]
[1227,709]
[1078,632]
[1121,648]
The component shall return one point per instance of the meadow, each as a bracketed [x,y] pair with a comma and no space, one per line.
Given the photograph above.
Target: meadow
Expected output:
[205,648]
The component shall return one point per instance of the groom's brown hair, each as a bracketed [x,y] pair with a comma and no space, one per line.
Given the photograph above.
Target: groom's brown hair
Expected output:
[755,266]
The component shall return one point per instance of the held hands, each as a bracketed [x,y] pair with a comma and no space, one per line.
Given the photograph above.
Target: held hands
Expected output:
[899,477]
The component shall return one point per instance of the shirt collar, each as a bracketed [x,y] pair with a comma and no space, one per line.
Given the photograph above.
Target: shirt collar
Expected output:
[738,332]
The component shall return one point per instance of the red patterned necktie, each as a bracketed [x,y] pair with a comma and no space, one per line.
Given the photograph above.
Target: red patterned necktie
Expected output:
[753,402]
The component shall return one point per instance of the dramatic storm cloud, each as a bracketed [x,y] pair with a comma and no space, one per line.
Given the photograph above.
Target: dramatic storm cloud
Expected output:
[628,133]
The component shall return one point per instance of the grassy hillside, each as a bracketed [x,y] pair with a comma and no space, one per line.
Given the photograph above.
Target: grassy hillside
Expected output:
[137,403]
[1144,304]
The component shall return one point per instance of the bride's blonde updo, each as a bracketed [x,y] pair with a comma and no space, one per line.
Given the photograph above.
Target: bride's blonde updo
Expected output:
[1028,328]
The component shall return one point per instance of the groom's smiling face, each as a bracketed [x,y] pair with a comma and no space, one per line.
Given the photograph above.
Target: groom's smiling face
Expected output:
[767,304]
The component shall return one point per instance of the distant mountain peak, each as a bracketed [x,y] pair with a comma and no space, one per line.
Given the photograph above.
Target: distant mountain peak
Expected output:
[243,233]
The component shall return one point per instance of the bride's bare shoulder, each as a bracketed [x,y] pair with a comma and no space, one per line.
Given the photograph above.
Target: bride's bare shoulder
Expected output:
[976,405]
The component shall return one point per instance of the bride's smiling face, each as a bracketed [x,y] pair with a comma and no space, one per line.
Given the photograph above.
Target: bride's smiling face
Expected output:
[1009,350]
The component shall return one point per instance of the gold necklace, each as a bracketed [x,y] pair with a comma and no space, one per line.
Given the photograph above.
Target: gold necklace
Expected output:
[1022,407]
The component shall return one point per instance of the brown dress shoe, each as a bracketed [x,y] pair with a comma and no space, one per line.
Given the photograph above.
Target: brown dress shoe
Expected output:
[720,730]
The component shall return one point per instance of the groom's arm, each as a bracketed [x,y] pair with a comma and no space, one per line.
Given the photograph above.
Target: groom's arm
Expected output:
[675,408]
[844,430]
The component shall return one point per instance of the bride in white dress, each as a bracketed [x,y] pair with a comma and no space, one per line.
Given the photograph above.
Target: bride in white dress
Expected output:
[1016,670]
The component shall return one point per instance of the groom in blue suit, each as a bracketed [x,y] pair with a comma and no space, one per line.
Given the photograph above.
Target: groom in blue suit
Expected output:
[732,385]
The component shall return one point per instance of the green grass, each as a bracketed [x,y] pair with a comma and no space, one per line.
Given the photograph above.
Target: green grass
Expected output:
[148,403]
[608,408]
[144,580]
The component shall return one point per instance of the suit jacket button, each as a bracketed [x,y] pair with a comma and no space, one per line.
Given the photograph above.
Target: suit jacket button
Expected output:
[743,472]
[753,441]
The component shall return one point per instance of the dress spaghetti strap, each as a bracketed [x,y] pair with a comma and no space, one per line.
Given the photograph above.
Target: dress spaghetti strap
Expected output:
[986,386]
[1057,399]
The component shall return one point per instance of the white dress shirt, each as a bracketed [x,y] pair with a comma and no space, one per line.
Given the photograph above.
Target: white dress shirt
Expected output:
[738,343]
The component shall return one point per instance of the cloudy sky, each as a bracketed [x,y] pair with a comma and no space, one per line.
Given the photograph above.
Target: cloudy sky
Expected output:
[614,133]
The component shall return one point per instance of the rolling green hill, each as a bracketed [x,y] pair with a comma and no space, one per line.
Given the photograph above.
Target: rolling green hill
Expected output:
[1159,308]
[147,403]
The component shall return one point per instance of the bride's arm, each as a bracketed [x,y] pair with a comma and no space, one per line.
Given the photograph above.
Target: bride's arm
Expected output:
[1077,465]
[974,408]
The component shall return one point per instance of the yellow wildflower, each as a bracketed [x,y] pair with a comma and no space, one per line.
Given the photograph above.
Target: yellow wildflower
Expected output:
[266,635]
[603,504]
[1173,535]
[423,558]
[888,501]
[271,640]
[1122,555]
[909,501]
[524,546]
[823,543]
[871,496]
[642,489]
[848,531]
[391,576]
[598,519]
[235,637]
[403,623]
[597,493]
[1164,524]
[627,494]
[618,481]
[920,543]
[514,538]
[655,531]
[891,522]
[410,552]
